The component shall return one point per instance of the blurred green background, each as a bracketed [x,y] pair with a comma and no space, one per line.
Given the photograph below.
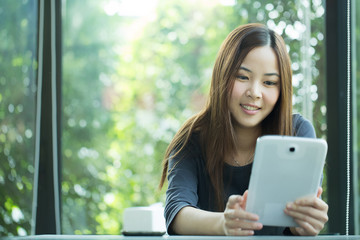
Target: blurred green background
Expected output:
[133,72]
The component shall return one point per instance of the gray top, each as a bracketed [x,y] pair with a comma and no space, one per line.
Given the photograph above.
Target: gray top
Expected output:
[189,183]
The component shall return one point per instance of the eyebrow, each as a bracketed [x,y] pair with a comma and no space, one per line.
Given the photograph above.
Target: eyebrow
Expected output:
[266,74]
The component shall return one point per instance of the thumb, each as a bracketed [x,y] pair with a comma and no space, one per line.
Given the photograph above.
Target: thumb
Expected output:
[243,202]
[234,201]
[320,190]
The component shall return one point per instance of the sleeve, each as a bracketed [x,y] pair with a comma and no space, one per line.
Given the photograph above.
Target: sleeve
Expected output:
[303,127]
[182,185]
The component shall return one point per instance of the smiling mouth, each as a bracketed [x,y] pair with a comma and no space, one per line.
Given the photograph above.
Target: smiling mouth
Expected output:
[250,108]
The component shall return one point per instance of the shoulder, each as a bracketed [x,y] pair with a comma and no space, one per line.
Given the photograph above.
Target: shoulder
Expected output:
[302,127]
[193,144]
[189,153]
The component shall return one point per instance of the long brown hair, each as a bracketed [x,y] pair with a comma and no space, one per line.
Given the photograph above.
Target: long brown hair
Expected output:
[213,123]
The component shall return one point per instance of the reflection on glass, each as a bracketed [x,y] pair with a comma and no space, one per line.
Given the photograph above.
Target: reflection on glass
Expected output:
[133,71]
[18,29]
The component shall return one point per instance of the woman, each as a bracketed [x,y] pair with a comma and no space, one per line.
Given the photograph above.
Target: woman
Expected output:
[208,163]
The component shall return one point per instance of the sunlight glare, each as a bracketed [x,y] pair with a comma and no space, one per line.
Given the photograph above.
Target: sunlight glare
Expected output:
[130,8]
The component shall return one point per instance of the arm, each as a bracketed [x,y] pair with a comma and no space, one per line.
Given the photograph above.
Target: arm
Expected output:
[183,198]
[233,221]
[192,221]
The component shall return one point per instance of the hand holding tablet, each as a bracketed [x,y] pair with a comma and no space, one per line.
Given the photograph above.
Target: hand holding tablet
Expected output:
[285,169]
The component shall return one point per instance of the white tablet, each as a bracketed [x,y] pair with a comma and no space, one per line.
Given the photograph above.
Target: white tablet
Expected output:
[284,169]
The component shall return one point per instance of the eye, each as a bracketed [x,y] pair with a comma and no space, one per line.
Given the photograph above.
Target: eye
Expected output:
[270,83]
[242,77]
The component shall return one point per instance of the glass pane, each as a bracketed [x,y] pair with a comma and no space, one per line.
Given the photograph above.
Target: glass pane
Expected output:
[356,111]
[132,75]
[18,51]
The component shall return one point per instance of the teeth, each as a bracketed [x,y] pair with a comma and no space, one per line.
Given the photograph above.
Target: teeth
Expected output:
[249,107]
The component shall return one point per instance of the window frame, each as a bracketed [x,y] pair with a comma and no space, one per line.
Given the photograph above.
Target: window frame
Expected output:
[336,167]
[47,189]
[49,203]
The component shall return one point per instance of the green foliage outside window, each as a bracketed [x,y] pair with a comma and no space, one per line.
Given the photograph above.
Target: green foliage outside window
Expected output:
[137,80]
[17,114]
[129,82]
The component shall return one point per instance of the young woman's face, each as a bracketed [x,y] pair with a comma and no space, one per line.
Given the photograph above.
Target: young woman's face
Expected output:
[256,88]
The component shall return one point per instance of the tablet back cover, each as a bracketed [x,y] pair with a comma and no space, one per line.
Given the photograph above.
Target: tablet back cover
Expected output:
[284,169]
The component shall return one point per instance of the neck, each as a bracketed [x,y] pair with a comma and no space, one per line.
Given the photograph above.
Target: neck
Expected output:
[245,146]
[246,138]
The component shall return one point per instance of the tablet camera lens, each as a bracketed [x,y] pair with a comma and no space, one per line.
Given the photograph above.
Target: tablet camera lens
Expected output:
[292,149]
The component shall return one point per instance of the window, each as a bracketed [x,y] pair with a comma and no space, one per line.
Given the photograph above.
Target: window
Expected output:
[18,54]
[356,111]
[132,76]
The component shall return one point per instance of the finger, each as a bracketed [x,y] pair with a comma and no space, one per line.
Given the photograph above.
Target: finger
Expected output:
[304,210]
[316,222]
[244,215]
[245,195]
[301,231]
[233,201]
[306,228]
[243,224]
[240,214]
[240,232]
[320,191]
[319,213]
[312,202]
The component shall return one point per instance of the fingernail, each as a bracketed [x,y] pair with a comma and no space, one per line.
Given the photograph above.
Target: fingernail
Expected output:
[289,205]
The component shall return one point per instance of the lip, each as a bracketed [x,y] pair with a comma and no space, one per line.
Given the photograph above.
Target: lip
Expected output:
[245,108]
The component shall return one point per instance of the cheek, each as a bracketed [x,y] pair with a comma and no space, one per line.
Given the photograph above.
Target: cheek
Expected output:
[237,90]
[272,96]
[234,94]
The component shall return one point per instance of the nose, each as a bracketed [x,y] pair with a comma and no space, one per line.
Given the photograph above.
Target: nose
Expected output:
[254,91]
